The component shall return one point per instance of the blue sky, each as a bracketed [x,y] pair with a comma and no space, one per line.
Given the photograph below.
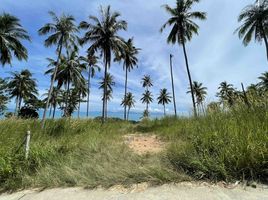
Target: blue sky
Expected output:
[215,55]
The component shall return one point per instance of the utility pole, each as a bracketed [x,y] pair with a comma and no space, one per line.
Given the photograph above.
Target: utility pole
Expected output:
[172,81]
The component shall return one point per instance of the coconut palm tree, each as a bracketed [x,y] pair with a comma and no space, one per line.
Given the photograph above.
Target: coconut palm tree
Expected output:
[200,93]
[22,86]
[129,102]
[183,29]
[3,96]
[70,71]
[254,20]
[90,61]
[130,60]
[103,34]
[226,93]
[172,84]
[62,33]
[82,92]
[54,100]
[264,81]
[11,35]
[146,82]
[147,98]
[164,98]
[108,82]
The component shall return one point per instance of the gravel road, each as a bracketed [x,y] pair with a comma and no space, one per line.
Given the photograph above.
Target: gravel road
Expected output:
[182,191]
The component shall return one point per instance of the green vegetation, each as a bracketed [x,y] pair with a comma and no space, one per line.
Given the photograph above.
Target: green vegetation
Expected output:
[222,145]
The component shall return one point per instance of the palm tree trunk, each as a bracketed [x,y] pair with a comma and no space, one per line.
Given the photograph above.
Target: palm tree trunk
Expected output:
[164,109]
[190,79]
[67,98]
[79,103]
[104,93]
[172,81]
[265,41]
[17,105]
[128,113]
[20,100]
[52,83]
[54,111]
[88,90]
[50,111]
[125,107]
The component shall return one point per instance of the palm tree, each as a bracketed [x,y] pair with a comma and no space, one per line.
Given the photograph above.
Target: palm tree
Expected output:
[172,83]
[82,91]
[11,34]
[264,81]
[147,98]
[70,72]
[54,100]
[255,20]
[226,93]
[146,82]
[108,82]
[129,102]
[183,29]
[130,60]
[91,64]
[103,34]
[200,94]
[3,96]
[164,98]
[22,86]
[63,34]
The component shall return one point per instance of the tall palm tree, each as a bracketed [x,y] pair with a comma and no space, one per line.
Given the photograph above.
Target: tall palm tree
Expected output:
[108,82]
[22,86]
[147,98]
[255,20]
[62,33]
[200,93]
[129,102]
[11,34]
[264,81]
[130,60]
[183,29]
[164,98]
[226,93]
[90,61]
[146,82]
[172,84]
[103,34]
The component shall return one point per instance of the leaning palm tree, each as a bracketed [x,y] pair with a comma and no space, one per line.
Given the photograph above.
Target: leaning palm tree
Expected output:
[90,61]
[103,34]
[108,82]
[129,102]
[11,34]
[255,20]
[200,93]
[62,33]
[147,98]
[130,60]
[164,98]
[183,29]
[22,86]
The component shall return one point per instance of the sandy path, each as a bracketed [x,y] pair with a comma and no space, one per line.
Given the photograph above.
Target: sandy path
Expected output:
[182,191]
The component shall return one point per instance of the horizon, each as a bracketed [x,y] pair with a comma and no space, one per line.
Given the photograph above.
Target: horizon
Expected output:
[215,55]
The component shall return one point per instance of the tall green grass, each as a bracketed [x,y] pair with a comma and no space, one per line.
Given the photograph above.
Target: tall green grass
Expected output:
[226,146]
[76,153]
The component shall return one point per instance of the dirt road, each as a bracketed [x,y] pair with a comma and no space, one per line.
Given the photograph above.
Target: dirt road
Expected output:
[182,191]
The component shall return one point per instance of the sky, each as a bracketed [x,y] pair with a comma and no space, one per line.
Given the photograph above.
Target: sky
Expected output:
[215,55]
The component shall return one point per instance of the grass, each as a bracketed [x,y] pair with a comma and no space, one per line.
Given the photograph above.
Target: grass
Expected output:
[220,146]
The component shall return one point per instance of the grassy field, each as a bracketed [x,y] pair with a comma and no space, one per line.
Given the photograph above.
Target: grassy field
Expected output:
[222,146]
